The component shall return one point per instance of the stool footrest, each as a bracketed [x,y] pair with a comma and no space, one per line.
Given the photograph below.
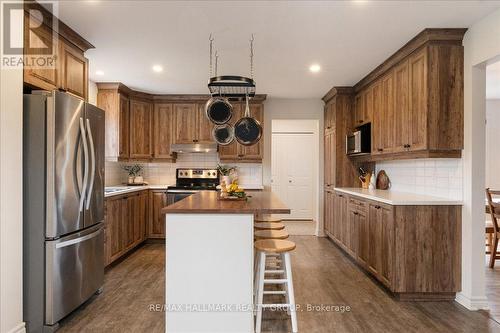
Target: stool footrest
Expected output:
[275,271]
[275,281]
[276,292]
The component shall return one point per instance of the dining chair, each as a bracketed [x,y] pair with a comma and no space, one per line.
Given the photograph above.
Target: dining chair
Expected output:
[495,216]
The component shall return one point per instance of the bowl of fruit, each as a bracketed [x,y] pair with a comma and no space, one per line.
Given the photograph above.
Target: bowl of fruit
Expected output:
[232,192]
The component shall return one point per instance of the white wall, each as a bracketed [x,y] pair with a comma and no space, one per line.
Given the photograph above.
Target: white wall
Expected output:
[11,201]
[492,143]
[482,44]
[439,177]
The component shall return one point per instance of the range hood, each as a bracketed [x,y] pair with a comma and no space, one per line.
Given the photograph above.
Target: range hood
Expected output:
[193,148]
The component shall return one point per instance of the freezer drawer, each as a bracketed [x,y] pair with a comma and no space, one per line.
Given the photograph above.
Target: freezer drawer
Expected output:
[74,271]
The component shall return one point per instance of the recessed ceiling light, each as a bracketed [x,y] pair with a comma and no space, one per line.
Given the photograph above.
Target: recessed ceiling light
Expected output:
[314,68]
[100,73]
[158,68]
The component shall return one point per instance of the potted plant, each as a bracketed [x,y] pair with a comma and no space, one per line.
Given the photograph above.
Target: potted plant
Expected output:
[134,173]
[225,173]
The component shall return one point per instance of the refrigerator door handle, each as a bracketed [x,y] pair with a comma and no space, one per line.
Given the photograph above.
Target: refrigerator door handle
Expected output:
[92,164]
[86,168]
[79,239]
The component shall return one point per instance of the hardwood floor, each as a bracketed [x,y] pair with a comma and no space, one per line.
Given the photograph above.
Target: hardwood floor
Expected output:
[322,275]
[492,278]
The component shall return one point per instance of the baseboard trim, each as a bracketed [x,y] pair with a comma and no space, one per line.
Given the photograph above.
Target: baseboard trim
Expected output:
[474,303]
[20,328]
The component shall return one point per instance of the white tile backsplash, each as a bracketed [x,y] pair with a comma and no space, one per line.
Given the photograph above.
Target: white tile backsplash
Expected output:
[249,174]
[438,177]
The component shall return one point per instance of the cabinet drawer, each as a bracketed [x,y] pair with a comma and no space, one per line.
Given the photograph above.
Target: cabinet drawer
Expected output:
[357,204]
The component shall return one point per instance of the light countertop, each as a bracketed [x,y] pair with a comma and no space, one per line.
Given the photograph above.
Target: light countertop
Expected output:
[399,198]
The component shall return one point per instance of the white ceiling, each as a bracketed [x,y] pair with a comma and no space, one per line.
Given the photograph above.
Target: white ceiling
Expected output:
[493,81]
[347,38]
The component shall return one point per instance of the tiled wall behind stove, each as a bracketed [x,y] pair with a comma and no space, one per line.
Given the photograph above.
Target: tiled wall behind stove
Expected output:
[250,174]
[437,177]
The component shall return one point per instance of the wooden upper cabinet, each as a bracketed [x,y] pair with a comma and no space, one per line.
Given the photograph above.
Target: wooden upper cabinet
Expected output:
[163,130]
[254,152]
[67,67]
[417,110]
[124,127]
[141,141]
[359,108]
[330,161]
[236,152]
[401,106]
[204,126]
[330,116]
[116,110]
[185,118]
[385,126]
[376,111]
[73,72]
[47,77]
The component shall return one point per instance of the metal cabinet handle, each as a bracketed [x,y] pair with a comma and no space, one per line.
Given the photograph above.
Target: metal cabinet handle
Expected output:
[86,168]
[92,164]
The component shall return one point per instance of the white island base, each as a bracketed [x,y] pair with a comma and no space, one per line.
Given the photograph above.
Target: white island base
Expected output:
[209,273]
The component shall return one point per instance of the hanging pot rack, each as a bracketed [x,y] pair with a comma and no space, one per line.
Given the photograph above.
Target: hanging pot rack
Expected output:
[233,87]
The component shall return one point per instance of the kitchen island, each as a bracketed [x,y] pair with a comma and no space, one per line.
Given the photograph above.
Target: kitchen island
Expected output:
[209,261]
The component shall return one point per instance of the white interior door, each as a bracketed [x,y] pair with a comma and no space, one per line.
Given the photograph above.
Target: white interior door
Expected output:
[292,172]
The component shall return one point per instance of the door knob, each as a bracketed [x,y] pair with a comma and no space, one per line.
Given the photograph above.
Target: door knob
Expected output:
[289,181]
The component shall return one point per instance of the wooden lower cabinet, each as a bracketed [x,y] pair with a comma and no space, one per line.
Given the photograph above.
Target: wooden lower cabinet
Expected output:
[415,251]
[125,224]
[156,226]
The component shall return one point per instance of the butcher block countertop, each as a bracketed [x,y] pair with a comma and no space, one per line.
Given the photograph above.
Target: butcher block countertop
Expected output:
[206,202]
[399,198]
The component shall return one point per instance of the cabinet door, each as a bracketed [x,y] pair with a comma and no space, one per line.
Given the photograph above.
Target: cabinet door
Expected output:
[141,215]
[157,200]
[254,152]
[378,127]
[205,126]
[129,221]
[352,232]
[46,78]
[401,100]
[113,221]
[359,108]
[328,160]
[417,125]
[140,129]
[330,115]
[386,115]
[185,118]
[231,151]
[368,105]
[363,238]
[162,124]
[124,127]
[381,234]
[344,220]
[327,213]
[74,70]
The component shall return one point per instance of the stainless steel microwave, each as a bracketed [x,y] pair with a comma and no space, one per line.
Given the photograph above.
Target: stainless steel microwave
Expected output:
[359,142]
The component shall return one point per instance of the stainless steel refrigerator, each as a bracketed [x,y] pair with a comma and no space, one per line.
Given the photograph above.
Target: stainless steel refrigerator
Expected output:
[63,206]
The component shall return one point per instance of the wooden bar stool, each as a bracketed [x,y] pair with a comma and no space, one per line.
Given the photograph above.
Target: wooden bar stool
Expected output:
[283,248]
[267,218]
[270,234]
[495,216]
[268,226]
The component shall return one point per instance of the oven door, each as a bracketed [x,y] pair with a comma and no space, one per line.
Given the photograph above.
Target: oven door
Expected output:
[177,195]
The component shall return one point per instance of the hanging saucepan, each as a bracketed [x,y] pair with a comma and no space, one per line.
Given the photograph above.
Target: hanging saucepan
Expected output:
[218,110]
[223,134]
[247,130]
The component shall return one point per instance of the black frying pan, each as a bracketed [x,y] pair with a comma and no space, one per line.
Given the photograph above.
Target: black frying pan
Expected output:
[223,134]
[247,130]
[218,110]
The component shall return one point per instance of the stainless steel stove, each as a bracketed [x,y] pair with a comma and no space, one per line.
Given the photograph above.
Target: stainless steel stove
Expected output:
[189,181]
